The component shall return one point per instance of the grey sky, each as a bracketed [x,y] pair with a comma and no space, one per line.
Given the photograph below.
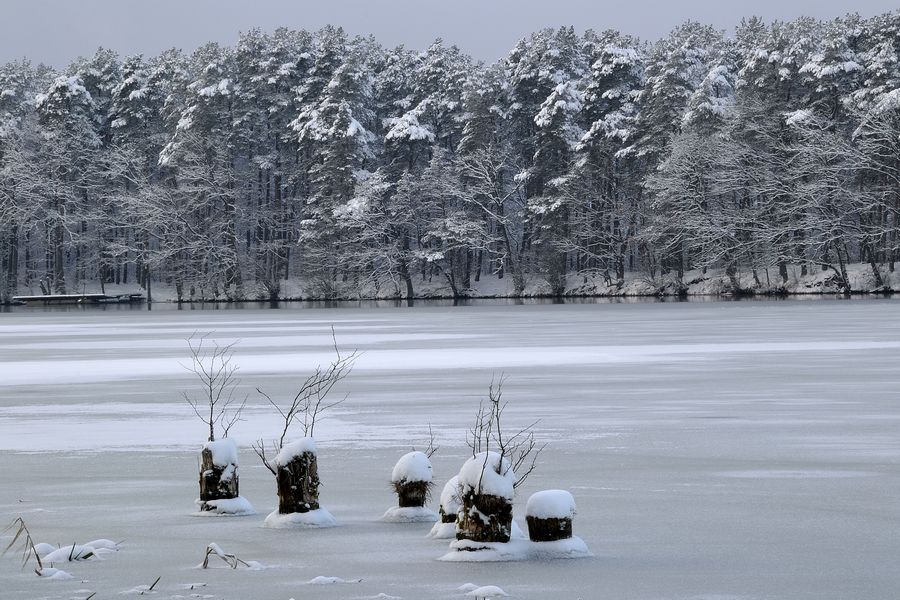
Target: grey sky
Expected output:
[57,31]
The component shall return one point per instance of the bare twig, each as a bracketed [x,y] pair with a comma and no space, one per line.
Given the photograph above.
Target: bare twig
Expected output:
[519,450]
[230,559]
[310,402]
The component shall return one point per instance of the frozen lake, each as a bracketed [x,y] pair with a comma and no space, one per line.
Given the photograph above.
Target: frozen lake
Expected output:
[723,450]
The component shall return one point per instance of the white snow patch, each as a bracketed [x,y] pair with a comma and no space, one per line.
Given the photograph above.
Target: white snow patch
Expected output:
[314,519]
[515,550]
[224,452]
[69,554]
[442,531]
[486,591]
[450,501]
[291,451]
[488,473]
[410,514]
[55,574]
[551,504]
[413,466]
[322,580]
[226,507]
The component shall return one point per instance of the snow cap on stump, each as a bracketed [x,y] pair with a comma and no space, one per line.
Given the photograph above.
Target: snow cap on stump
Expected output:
[551,504]
[549,515]
[223,452]
[412,467]
[291,451]
[487,473]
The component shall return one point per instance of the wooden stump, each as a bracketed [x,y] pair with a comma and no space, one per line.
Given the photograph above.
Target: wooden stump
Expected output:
[412,494]
[298,484]
[471,525]
[549,530]
[217,482]
[447,518]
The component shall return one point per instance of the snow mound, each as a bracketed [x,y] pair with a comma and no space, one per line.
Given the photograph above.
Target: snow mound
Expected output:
[515,550]
[69,554]
[314,519]
[450,501]
[55,574]
[574,547]
[291,451]
[410,514]
[224,452]
[467,587]
[413,466]
[103,544]
[226,507]
[516,532]
[488,473]
[442,531]
[487,591]
[322,580]
[43,549]
[551,504]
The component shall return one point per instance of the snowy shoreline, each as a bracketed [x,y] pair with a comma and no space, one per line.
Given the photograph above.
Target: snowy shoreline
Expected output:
[714,284]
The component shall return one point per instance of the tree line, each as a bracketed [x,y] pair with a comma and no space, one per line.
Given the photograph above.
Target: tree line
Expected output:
[361,170]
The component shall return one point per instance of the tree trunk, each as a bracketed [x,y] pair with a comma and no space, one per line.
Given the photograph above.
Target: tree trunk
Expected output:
[216,482]
[298,485]
[471,525]
[548,530]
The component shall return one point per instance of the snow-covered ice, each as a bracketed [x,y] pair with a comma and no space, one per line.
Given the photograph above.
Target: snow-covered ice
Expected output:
[715,449]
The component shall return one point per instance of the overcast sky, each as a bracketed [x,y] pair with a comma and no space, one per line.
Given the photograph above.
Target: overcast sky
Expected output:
[56,31]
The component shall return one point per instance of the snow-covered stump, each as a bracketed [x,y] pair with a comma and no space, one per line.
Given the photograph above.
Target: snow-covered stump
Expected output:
[297,480]
[412,480]
[218,471]
[445,529]
[549,514]
[486,496]
[219,489]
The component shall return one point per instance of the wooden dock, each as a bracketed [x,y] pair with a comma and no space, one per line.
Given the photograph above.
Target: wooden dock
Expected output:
[54,299]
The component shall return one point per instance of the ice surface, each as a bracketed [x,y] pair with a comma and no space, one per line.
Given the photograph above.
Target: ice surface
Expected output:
[413,466]
[741,450]
[551,504]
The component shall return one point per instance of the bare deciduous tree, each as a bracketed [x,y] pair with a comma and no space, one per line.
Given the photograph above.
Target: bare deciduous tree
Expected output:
[213,366]
[519,449]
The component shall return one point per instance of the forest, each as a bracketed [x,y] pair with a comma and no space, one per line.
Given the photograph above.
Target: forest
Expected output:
[365,171]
